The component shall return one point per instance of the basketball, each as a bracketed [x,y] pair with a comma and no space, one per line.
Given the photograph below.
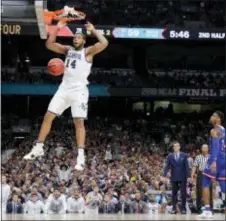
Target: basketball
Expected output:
[56,67]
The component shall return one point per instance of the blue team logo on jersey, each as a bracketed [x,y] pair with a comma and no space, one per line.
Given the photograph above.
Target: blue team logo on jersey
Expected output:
[84,106]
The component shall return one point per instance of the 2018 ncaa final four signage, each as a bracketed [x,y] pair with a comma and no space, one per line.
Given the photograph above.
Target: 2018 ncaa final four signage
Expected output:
[168,92]
[104,91]
[18,29]
[183,92]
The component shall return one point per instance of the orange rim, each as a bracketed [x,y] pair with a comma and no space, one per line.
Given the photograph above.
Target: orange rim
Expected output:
[50,16]
[48,19]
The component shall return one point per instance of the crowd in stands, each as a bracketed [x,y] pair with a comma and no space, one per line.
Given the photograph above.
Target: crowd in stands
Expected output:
[123,173]
[125,78]
[150,13]
[187,79]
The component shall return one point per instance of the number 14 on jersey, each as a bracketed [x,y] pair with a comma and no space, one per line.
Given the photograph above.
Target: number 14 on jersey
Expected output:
[70,63]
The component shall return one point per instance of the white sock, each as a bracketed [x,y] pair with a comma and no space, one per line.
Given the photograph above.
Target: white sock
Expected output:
[40,144]
[81,151]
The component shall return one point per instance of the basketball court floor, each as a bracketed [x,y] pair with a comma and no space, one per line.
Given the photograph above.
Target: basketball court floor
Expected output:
[105,217]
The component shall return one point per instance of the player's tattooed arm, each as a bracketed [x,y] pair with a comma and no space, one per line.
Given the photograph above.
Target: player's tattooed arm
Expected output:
[99,46]
[51,41]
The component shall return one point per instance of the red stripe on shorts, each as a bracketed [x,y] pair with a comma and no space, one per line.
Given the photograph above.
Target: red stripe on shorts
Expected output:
[213,177]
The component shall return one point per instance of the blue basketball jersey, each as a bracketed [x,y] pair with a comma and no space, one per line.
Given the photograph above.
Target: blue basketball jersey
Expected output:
[222,152]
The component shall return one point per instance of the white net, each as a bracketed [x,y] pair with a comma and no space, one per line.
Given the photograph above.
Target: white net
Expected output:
[39,10]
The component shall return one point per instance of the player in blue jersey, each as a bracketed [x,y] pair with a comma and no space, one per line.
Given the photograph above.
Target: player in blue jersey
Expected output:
[216,163]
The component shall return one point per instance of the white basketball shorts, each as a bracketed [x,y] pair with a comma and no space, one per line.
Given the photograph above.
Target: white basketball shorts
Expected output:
[76,99]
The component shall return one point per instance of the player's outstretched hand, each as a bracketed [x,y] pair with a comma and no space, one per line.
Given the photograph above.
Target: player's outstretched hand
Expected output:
[61,24]
[89,27]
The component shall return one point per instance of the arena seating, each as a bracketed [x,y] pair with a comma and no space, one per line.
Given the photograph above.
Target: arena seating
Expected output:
[124,78]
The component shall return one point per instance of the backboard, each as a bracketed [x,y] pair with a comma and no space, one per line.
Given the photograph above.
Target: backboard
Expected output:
[25,11]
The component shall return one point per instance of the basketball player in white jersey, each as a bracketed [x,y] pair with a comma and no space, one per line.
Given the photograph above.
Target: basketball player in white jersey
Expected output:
[73,91]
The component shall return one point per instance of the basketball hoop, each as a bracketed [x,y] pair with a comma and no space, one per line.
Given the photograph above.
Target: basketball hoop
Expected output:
[68,14]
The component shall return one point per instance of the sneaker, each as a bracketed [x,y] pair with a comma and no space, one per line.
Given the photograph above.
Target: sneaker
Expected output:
[36,151]
[80,163]
[71,14]
[173,212]
[69,11]
[206,215]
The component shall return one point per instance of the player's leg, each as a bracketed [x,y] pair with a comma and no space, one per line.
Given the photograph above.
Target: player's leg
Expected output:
[56,107]
[206,182]
[79,108]
[222,179]
[206,191]
[37,149]
[223,186]
[221,176]
[46,126]
[80,134]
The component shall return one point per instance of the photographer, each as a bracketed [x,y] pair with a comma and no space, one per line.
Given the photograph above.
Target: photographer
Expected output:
[123,205]
[56,203]
[64,172]
[93,200]
[34,205]
[76,203]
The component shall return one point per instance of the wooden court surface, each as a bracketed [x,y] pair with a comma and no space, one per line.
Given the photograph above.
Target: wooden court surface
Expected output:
[105,217]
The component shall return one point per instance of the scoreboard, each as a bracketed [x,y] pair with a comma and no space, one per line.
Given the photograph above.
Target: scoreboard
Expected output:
[162,33]
[120,32]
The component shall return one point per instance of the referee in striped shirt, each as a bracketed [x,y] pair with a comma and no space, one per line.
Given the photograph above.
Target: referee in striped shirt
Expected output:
[198,166]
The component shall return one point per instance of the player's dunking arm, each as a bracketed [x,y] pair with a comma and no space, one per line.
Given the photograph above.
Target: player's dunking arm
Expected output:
[215,135]
[99,46]
[51,41]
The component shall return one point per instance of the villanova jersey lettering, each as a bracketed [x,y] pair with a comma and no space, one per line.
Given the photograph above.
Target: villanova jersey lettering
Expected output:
[77,69]
[74,55]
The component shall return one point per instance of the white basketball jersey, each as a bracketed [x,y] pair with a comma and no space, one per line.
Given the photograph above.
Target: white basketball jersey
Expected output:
[77,69]
[153,208]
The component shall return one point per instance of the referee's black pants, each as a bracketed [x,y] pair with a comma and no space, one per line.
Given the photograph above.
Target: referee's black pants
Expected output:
[199,203]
